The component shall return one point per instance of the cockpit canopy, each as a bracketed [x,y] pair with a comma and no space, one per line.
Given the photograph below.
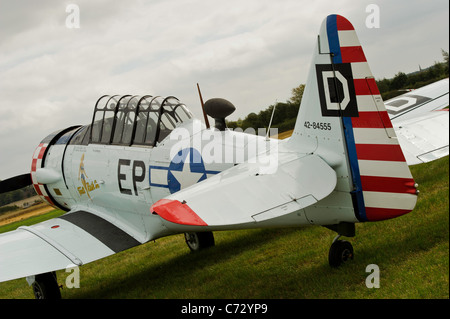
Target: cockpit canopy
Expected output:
[135,120]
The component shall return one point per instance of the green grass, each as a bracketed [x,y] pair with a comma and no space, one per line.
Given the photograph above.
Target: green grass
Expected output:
[412,253]
[31,220]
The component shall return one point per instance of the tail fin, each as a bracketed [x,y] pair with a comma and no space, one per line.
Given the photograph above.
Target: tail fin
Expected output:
[343,119]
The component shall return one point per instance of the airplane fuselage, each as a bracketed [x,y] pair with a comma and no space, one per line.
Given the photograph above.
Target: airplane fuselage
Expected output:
[122,182]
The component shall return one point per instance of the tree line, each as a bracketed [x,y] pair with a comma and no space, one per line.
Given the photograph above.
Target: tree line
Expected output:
[286,112]
[14,196]
[390,88]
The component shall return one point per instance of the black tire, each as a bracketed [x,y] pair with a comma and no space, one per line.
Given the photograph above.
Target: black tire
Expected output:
[199,241]
[340,252]
[45,286]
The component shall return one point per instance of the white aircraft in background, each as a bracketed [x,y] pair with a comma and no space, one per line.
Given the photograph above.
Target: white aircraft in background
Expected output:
[420,119]
[144,169]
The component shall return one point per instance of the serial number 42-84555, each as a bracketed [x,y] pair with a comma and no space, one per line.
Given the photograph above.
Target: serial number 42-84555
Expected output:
[318,125]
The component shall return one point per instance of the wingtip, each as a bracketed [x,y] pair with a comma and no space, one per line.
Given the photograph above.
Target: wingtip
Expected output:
[176,212]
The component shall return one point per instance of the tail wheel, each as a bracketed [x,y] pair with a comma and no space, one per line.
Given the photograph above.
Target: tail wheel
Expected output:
[199,241]
[340,252]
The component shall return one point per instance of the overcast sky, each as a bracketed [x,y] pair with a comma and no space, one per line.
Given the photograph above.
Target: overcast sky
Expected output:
[250,52]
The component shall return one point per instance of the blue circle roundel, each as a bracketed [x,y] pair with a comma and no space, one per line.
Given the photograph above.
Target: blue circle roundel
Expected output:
[185,169]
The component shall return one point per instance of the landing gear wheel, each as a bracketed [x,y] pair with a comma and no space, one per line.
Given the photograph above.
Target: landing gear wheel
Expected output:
[340,252]
[199,241]
[45,286]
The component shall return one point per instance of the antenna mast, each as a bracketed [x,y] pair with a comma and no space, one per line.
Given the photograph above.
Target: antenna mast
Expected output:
[270,123]
[203,106]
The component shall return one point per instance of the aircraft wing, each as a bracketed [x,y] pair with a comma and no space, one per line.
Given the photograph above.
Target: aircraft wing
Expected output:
[424,138]
[421,121]
[432,97]
[75,238]
[249,193]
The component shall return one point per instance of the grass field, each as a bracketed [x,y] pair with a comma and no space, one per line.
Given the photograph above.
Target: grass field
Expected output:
[412,253]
